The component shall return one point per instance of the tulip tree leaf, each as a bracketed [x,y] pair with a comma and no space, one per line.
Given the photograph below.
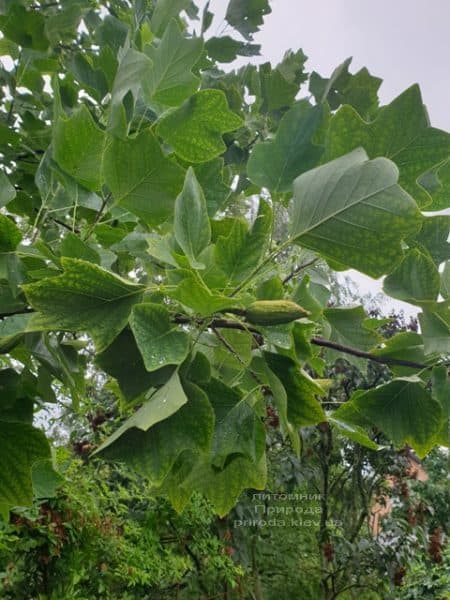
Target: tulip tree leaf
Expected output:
[78,146]
[401,132]
[195,129]
[398,409]
[225,49]
[358,90]
[246,16]
[434,236]
[416,280]
[238,431]
[134,68]
[193,293]
[131,375]
[141,178]
[10,235]
[171,80]
[352,210]
[158,341]
[191,224]
[348,328]
[303,407]
[21,446]
[189,428]
[435,325]
[166,401]
[238,253]
[84,298]
[275,164]
[7,191]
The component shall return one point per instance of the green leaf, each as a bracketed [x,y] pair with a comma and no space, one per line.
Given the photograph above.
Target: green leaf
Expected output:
[240,252]
[164,12]
[358,90]
[225,49]
[401,132]
[73,246]
[7,191]
[445,281]
[238,431]
[141,179]
[246,16]
[221,487]
[78,146]
[195,129]
[45,479]
[21,446]
[194,294]
[280,400]
[24,27]
[210,177]
[434,237]
[352,211]
[134,68]
[10,235]
[189,427]
[353,432]
[303,408]
[437,183]
[11,330]
[132,376]
[416,280]
[441,392]
[404,346]
[275,164]
[398,408]
[166,401]
[435,326]
[84,298]
[191,224]
[348,329]
[159,342]
[171,80]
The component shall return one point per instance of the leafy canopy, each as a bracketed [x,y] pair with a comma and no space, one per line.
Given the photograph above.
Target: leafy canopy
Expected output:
[148,198]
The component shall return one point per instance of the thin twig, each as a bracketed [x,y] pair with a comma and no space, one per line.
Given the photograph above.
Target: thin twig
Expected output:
[98,216]
[384,360]
[299,268]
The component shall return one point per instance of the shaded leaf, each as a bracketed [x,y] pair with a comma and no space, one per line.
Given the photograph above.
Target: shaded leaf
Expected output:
[352,210]
[159,342]
[84,298]
[398,409]
[191,224]
[275,164]
[141,178]
[78,146]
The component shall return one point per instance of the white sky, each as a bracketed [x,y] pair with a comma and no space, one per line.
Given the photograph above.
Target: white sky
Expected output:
[401,41]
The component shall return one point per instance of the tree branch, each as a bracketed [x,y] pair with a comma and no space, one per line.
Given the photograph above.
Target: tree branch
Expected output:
[384,360]
[218,323]
[299,268]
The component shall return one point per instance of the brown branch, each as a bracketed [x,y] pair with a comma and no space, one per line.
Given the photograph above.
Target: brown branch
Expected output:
[299,268]
[98,216]
[217,323]
[384,360]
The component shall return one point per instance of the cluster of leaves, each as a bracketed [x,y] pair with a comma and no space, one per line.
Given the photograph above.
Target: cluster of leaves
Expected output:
[124,147]
[102,536]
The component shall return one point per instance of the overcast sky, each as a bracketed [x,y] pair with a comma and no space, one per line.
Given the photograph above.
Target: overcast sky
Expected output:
[401,41]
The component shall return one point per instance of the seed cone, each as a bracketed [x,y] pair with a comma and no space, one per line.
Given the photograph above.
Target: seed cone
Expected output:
[274,312]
